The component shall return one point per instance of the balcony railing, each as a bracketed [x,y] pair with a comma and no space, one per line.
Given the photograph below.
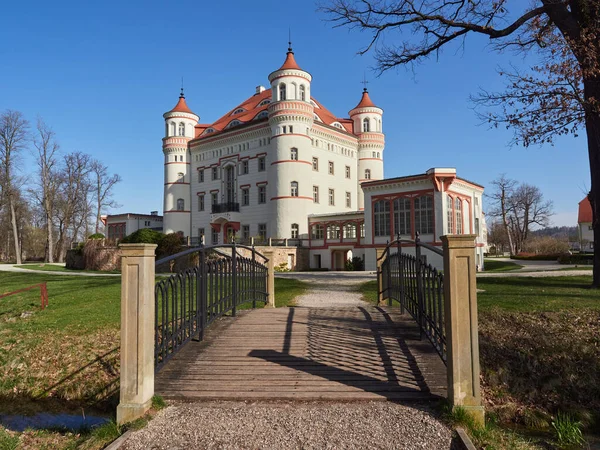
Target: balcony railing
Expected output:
[225,207]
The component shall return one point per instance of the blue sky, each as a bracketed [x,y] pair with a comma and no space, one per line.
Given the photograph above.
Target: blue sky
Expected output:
[103,73]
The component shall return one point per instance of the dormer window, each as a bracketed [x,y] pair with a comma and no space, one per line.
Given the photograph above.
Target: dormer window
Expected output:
[238,111]
[282,92]
[338,125]
[264,102]
[302,93]
[262,115]
[209,130]
[181,129]
[366,125]
[234,123]
[317,118]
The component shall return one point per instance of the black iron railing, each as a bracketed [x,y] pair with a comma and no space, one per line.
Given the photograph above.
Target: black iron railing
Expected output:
[215,281]
[417,286]
[225,207]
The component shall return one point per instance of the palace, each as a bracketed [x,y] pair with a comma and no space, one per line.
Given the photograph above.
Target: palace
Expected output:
[281,166]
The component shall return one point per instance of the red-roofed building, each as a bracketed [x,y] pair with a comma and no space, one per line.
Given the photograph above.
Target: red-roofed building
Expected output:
[584,222]
[269,162]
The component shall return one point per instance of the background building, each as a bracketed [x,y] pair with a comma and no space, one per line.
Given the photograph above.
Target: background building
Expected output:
[120,225]
[584,226]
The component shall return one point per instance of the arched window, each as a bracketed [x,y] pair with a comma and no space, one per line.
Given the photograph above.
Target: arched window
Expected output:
[450,214]
[458,212]
[294,154]
[381,213]
[402,216]
[302,93]
[166,129]
[180,204]
[424,214]
[366,125]
[295,230]
[262,115]
[181,129]
[238,111]
[282,91]
[173,128]
[294,189]
[367,174]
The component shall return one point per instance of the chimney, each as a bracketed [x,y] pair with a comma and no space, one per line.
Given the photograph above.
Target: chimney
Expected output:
[259,89]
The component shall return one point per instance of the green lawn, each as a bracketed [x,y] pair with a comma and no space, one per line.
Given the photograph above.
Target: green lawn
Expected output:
[57,268]
[492,265]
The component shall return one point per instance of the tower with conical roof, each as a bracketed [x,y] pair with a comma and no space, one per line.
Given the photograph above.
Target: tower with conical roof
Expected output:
[179,130]
[366,118]
[289,163]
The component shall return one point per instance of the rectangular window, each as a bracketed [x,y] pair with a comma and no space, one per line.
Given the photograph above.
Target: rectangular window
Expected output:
[201,203]
[348,200]
[245,167]
[316,194]
[201,176]
[245,197]
[349,231]
[215,237]
[245,232]
[317,231]
[331,197]
[214,198]
[215,173]
[330,167]
[477,226]
[316,164]
[294,189]
[262,164]
[347,171]
[459,218]
[402,216]
[294,154]
[333,232]
[449,215]
[262,194]
[381,214]
[262,230]
[201,236]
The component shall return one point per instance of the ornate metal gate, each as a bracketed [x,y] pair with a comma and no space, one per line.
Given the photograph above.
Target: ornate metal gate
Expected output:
[209,283]
[417,286]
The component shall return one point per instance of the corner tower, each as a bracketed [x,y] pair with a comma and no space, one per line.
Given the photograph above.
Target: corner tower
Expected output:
[367,125]
[291,116]
[179,130]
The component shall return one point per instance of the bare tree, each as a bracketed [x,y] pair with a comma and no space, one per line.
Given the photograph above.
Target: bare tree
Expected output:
[72,199]
[498,237]
[561,96]
[518,207]
[103,189]
[48,182]
[504,188]
[13,135]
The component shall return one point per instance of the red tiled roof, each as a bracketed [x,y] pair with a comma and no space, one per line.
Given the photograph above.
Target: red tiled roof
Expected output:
[585,211]
[365,101]
[290,62]
[251,109]
[182,106]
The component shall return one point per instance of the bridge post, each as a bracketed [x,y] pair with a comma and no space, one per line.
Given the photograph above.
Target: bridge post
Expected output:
[378,253]
[137,331]
[460,308]
[270,253]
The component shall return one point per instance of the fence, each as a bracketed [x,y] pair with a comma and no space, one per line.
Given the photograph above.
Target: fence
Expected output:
[217,283]
[43,293]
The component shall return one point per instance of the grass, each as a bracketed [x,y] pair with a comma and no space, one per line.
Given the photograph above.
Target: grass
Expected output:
[567,430]
[57,268]
[500,266]
[369,291]
[287,289]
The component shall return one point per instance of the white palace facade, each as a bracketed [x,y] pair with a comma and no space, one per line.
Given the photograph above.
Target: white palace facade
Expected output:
[281,166]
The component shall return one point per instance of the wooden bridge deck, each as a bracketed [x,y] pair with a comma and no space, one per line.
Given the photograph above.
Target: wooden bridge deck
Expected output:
[351,353]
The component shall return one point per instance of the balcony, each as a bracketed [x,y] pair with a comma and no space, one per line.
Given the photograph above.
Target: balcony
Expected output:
[219,208]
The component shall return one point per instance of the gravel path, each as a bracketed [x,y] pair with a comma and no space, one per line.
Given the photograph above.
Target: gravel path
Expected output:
[286,425]
[332,288]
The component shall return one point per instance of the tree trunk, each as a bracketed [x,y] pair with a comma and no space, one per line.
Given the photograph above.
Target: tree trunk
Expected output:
[13,219]
[50,243]
[592,125]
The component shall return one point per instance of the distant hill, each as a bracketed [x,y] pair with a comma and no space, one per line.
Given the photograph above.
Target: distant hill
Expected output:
[557,232]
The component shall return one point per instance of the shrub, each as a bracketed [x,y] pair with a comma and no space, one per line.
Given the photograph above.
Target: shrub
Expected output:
[283,267]
[169,244]
[535,257]
[546,245]
[143,236]
[567,430]
[356,263]
[96,236]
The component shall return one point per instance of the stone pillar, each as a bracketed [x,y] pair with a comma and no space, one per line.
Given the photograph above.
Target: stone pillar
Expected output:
[137,331]
[270,253]
[379,262]
[460,308]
